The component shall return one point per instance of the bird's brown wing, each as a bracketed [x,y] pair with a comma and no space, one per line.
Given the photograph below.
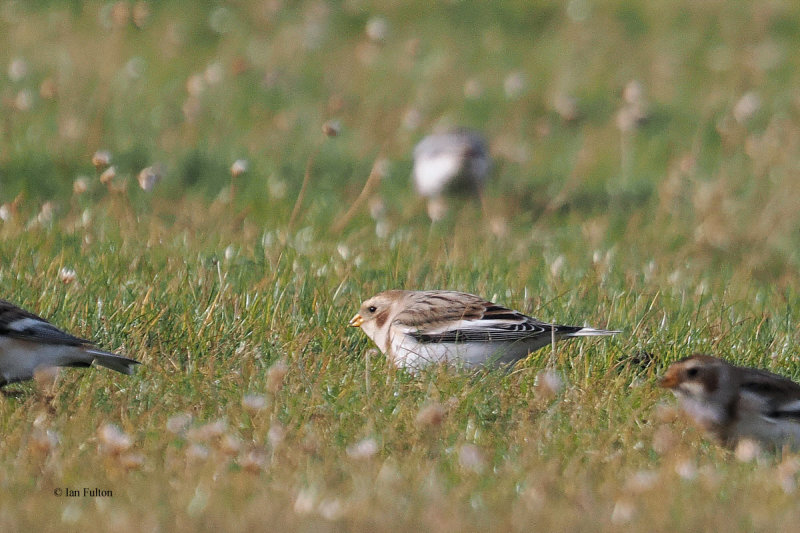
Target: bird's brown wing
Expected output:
[781,394]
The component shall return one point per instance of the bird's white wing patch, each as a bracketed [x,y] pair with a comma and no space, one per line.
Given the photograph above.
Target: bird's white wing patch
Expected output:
[26,323]
[793,406]
[35,330]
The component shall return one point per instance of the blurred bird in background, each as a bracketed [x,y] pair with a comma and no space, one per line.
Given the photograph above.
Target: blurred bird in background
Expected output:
[453,163]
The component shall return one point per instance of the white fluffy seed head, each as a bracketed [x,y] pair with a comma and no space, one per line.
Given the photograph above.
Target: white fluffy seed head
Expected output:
[101,159]
[196,452]
[430,416]
[275,376]
[108,175]
[254,460]
[332,128]
[377,29]
[67,275]
[363,449]
[113,440]
[177,424]
[239,167]
[45,378]
[207,432]
[548,384]
[230,444]
[253,403]
[304,502]
[80,185]
[276,434]
[148,178]
[686,469]
[43,440]
[623,512]
[747,450]
[131,460]
[470,457]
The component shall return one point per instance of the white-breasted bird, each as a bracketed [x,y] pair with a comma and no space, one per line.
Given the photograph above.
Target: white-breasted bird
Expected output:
[28,342]
[417,328]
[732,402]
[457,162]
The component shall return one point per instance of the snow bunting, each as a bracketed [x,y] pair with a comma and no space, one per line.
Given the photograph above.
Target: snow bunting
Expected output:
[450,162]
[416,328]
[733,402]
[28,342]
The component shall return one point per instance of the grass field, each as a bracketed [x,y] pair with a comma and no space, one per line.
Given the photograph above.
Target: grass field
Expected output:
[645,179]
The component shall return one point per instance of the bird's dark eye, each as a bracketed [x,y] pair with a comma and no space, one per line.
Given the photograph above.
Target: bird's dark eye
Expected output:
[692,372]
[372,308]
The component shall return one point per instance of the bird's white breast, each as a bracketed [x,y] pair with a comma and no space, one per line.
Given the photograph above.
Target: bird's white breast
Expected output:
[704,414]
[433,172]
[408,352]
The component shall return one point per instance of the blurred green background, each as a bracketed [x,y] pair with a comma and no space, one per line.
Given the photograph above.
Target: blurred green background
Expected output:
[672,116]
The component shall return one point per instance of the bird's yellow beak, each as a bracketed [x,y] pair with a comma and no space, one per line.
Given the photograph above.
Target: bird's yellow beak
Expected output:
[670,379]
[356,321]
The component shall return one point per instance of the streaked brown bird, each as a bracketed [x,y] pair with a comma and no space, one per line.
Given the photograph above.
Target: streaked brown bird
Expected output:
[734,402]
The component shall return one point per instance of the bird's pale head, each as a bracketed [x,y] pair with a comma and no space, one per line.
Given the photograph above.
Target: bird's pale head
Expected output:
[697,376]
[374,316]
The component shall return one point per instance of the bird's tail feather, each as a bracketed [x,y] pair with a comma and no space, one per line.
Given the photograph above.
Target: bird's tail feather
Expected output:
[591,332]
[113,361]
